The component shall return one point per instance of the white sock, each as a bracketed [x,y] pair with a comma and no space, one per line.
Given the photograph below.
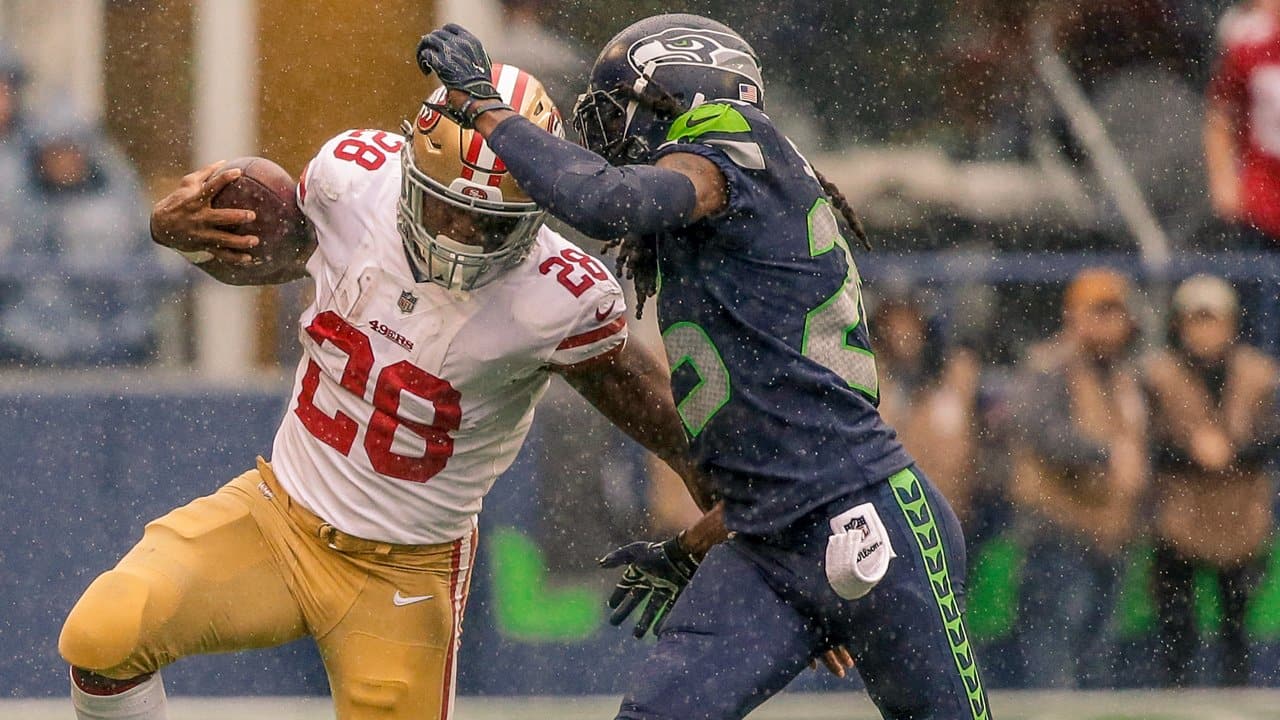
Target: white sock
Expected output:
[143,702]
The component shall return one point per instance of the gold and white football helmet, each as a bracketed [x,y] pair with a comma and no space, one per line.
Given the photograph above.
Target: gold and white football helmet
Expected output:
[462,216]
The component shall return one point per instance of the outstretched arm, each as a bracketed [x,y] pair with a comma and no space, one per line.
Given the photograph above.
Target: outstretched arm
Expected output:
[632,388]
[573,183]
[1220,155]
[601,200]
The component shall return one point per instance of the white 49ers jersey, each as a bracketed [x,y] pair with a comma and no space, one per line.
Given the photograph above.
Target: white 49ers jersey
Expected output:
[411,399]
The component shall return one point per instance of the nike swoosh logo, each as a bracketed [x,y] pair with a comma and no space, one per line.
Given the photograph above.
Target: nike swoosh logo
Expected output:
[601,316]
[696,121]
[401,600]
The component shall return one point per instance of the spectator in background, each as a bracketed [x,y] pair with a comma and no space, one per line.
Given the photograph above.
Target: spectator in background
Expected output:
[1242,144]
[1105,37]
[987,75]
[929,393]
[1242,120]
[80,247]
[1080,468]
[1213,425]
[15,178]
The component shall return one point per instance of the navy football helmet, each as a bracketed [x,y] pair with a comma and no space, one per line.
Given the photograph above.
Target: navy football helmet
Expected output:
[654,71]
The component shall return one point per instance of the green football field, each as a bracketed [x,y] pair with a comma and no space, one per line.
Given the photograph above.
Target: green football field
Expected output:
[1008,705]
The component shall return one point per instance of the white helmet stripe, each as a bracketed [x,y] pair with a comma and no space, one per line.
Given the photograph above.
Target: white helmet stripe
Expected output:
[507,83]
[507,76]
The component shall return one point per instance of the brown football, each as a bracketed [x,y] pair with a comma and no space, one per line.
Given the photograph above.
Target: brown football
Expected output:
[268,190]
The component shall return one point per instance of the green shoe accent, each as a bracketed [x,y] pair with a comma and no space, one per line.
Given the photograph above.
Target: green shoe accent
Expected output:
[1135,611]
[1263,619]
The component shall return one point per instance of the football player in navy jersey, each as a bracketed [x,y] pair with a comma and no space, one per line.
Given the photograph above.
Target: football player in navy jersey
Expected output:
[821,531]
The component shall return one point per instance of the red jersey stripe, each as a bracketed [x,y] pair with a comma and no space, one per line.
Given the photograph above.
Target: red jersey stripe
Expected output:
[592,336]
[302,183]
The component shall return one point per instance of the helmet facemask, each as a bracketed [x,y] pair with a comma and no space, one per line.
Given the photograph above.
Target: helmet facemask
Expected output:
[601,120]
[429,216]
[462,217]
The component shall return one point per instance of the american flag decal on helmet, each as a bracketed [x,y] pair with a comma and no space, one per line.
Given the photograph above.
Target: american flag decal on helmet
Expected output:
[748,93]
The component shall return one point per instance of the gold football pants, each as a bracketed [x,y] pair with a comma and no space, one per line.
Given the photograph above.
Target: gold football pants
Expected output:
[246,568]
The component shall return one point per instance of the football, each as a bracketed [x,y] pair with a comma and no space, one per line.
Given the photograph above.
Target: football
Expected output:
[268,190]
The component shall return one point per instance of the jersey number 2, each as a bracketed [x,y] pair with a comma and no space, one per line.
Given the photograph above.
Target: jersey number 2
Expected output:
[566,263]
[827,331]
[339,431]
[827,328]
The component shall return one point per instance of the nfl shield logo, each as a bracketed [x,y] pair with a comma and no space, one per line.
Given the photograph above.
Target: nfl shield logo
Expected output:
[407,301]
[858,523]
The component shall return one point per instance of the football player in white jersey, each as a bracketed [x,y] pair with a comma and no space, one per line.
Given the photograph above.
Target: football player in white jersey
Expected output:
[442,307]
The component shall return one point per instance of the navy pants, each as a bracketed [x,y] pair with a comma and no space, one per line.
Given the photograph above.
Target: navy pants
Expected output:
[756,613]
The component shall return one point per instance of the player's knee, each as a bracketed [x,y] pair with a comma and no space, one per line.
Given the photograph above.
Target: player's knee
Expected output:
[377,695]
[104,628]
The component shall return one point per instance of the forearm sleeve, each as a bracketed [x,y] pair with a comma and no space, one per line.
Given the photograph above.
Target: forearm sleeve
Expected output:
[582,189]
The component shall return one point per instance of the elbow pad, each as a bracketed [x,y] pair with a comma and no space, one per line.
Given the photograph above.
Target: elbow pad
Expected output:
[582,189]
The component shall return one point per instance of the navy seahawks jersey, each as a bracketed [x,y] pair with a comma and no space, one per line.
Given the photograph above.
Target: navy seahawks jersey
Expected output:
[763,321]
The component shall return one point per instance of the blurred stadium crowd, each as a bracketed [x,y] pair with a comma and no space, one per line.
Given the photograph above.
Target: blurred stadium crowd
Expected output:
[81,283]
[1089,418]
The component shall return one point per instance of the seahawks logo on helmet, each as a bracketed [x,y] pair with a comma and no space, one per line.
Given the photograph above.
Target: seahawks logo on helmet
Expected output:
[694,46]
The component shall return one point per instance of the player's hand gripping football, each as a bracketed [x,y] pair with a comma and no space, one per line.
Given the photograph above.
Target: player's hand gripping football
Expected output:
[654,571]
[458,58]
[185,221]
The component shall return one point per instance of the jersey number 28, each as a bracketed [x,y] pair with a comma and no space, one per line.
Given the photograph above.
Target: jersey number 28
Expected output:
[339,430]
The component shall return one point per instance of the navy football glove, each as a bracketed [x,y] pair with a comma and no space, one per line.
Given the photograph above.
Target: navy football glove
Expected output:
[656,571]
[458,58]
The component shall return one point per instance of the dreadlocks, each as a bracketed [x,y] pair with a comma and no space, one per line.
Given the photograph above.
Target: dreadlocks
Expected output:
[841,203]
[638,262]
[638,254]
